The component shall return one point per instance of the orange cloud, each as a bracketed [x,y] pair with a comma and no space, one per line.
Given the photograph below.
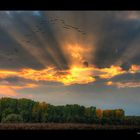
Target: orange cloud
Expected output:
[7,91]
[76,74]
[7,73]
[134,68]
[10,90]
[124,84]
[111,72]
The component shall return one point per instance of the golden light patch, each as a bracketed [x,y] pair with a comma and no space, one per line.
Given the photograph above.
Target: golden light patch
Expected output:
[77,53]
[109,83]
[78,75]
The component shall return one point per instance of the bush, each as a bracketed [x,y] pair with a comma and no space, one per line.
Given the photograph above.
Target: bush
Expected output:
[12,118]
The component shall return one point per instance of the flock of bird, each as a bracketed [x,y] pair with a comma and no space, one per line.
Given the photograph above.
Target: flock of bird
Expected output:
[67,26]
[39,29]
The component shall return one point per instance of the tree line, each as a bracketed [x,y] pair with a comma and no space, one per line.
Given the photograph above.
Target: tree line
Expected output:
[29,111]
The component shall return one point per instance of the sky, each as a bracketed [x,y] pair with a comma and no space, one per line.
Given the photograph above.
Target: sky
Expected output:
[90,58]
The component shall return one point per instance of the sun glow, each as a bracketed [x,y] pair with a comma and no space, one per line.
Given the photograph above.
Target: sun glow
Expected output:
[78,75]
[76,53]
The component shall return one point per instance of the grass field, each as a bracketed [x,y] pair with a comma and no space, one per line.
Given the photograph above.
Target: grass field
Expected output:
[65,126]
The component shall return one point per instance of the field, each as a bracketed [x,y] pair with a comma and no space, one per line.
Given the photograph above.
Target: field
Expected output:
[65,126]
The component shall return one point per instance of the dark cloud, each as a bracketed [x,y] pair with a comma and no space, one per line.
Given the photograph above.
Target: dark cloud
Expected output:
[24,23]
[113,36]
[128,77]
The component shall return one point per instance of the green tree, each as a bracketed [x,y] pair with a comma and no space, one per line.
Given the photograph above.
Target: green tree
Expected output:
[90,114]
[7,105]
[31,111]
[24,108]
[13,118]
[6,112]
[39,112]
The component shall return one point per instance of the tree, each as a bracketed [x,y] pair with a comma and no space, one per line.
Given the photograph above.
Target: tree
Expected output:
[12,118]
[106,116]
[119,114]
[24,108]
[99,114]
[131,120]
[39,112]
[6,112]
[55,113]
[30,111]
[113,116]
[90,114]
[7,105]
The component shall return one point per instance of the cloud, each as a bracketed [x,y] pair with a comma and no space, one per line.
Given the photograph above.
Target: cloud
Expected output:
[130,79]
[10,88]
[109,47]
[7,91]
[76,74]
[129,15]
[108,41]
[124,84]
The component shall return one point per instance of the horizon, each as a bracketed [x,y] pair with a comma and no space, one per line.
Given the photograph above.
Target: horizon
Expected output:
[90,58]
